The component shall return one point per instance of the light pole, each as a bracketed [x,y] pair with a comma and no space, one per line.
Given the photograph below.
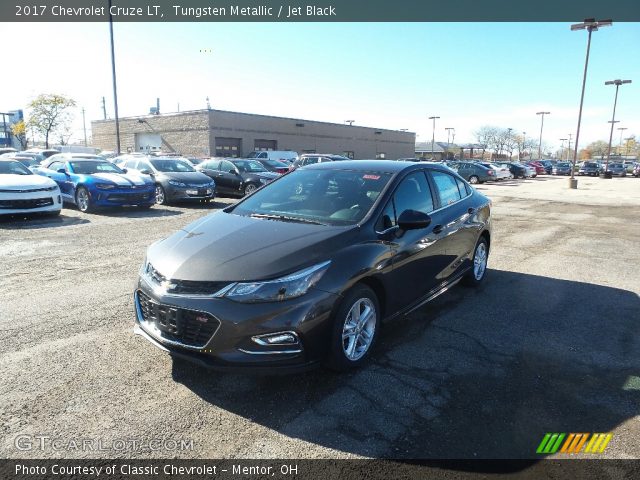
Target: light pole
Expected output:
[622,129]
[626,148]
[350,122]
[448,129]
[617,83]
[541,126]
[433,135]
[591,25]
[113,74]
[569,148]
[84,127]
[562,147]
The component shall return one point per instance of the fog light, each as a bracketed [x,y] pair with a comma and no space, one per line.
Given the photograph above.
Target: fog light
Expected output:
[280,338]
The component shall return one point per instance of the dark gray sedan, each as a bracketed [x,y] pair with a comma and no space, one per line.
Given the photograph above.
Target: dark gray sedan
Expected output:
[562,168]
[473,172]
[617,169]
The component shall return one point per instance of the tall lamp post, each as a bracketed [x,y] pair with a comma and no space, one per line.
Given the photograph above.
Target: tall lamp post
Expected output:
[617,83]
[113,74]
[569,148]
[591,25]
[541,127]
[433,135]
[622,129]
[562,147]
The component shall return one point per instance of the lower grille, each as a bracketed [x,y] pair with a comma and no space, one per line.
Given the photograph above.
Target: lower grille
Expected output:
[187,327]
[132,198]
[25,204]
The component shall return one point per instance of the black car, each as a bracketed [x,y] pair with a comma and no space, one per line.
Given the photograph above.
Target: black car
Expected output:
[176,179]
[237,176]
[561,168]
[589,168]
[288,279]
[518,171]
[275,166]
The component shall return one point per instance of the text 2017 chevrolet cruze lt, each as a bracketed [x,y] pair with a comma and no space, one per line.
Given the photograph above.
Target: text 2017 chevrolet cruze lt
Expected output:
[304,270]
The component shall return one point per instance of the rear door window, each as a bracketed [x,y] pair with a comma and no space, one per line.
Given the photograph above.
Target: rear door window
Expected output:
[447,187]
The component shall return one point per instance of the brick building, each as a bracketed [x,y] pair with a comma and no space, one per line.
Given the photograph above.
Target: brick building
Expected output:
[219,133]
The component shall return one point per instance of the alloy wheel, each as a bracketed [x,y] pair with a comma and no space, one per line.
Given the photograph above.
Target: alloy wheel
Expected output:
[480,261]
[82,199]
[160,198]
[359,329]
[249,189]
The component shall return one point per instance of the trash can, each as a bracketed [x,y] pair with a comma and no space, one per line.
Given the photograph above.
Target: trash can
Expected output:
[607,174]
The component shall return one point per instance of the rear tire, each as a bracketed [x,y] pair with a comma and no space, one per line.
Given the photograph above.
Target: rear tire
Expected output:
[473,179]
[355,327]
[249,189]
[478,271]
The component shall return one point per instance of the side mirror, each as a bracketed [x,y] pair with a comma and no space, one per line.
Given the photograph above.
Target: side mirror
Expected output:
[62,170]
[413,220]
[145,172]
[124,170]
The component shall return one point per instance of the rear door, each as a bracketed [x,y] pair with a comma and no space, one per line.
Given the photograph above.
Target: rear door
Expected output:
[62,179]
[228,177]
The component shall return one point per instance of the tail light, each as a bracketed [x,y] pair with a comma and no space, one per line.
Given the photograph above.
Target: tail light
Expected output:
[490,172]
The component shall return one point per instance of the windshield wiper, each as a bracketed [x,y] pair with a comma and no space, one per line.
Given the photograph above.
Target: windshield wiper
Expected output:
[284,218]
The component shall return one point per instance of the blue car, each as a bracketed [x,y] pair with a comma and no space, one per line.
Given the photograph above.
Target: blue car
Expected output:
[90,182]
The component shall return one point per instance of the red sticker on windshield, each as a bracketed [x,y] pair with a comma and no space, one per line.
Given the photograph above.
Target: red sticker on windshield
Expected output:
[371,177]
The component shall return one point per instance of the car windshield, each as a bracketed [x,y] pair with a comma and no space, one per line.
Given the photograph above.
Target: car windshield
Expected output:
[253,155]
[276,164]
[250,166]
[563,165]
[170,165]
[13,168]
[616,165]
[88,167]
[591,165]
[330,197]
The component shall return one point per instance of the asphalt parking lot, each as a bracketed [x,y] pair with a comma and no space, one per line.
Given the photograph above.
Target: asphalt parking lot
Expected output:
[549,343]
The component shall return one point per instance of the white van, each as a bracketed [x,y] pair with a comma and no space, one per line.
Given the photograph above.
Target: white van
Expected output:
[286,156]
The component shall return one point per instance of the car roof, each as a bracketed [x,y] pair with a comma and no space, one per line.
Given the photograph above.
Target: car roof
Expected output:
[386,166]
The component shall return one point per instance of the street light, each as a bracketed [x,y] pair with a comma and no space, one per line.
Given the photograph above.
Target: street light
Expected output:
[562,146]
[350,122]
[113,74]
[433,135]
[617,83]
[569,148]
[626,148]
[591,25]
[622,129]
[541,126]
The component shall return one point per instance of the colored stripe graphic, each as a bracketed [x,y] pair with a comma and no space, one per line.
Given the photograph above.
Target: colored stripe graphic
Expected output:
[550,443]
[574,443]
[598,442]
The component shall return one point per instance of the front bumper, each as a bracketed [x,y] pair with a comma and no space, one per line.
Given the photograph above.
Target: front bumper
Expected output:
[189,193]
[120,197]
[228,344]
[38,201]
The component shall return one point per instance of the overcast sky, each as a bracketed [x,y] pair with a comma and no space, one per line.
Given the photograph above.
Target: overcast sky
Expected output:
[384,75]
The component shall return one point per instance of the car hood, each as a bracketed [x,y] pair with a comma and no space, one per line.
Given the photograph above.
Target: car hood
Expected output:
[195,178]
[120,179]
[265,175]
[24,182]
[228,247]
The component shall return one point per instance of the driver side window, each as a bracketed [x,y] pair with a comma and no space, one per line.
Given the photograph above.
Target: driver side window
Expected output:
[413,193]
[227,167]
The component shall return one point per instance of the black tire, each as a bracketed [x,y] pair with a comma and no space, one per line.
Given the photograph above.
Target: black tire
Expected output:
[470,279]
[473,180]
[337,359]
[161,199]
[84,207]
[249,189]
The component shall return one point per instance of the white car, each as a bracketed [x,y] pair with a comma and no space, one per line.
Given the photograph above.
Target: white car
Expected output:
[21,191]
[502,172]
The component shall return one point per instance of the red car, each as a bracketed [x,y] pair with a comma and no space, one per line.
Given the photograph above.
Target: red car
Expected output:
[540,170]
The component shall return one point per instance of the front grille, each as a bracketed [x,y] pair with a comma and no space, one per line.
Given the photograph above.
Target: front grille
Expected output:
[187,327]
[31,190]
[131,198]
[183,287]
[26,204]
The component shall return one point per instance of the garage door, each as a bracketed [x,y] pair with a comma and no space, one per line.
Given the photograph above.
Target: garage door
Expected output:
[261,145]
[228,147]
[148,142]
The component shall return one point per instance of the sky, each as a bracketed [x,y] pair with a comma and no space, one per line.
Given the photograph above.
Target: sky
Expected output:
[384,75]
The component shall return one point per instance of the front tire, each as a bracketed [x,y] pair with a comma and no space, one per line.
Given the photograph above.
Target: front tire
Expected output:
[83,201]
[478,271]
[355,326]
[249,189]
[161,195]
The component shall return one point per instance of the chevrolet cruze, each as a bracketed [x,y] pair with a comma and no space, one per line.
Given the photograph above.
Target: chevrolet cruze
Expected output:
[303,271]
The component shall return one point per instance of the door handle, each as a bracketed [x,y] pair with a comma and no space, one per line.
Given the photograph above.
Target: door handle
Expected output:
[438,229]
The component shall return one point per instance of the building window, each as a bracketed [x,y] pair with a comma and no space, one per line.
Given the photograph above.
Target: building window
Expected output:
[349,154]
[380,156]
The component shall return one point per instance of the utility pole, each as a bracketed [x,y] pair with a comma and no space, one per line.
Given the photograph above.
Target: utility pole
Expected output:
[84,127]
[622,129]
[569,148]
[104,109]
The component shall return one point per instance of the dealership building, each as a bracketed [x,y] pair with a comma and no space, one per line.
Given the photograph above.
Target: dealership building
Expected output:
[218,133]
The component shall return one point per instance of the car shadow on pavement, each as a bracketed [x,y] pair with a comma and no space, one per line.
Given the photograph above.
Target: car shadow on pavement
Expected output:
[133,212]
[475,374]
[30,222]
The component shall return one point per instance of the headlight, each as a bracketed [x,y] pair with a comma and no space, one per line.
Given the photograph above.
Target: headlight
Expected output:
[291,286]
[177,184]
[105,186]
[264,181]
